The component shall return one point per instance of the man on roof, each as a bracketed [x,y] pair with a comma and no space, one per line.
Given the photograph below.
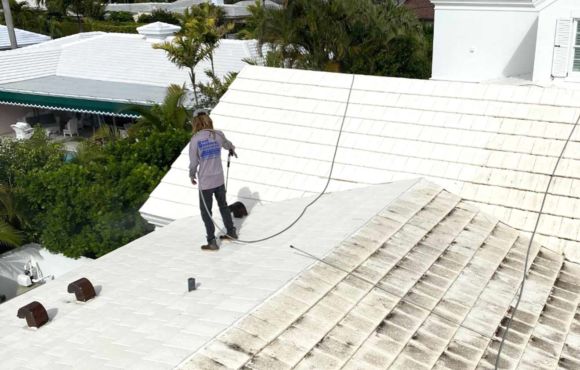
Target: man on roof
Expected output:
[205,152]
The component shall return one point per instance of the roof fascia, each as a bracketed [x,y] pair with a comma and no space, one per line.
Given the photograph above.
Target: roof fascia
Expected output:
[518,5]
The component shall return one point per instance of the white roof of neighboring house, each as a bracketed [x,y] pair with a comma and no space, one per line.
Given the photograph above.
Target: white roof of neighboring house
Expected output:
[108,60]
[23,38]
[446,273]
[144,318]
[237,10]
[494,145]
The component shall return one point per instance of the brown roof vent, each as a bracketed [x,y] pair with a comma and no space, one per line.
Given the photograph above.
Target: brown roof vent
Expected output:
[35,314]
[83,289]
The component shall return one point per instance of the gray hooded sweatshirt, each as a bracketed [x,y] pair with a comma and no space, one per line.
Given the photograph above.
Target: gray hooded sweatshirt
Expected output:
[205,152]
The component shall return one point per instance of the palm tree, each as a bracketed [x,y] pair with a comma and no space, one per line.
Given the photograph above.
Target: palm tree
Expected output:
[9,216]
[169,115]
[363,36]
[254,23]
[185,50]
[216,87]
[208,21]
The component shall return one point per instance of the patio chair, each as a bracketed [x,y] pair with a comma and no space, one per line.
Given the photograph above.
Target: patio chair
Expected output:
[23,130]
[72,127]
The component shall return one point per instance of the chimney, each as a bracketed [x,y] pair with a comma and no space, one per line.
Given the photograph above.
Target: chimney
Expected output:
[158,31]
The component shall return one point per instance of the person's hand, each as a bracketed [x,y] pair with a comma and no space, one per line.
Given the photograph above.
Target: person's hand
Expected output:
[233,153]
[193,182]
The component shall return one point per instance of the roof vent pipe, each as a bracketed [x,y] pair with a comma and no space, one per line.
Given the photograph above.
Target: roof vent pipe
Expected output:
[158,31]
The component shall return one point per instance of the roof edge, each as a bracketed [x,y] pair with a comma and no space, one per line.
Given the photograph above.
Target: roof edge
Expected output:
[521,5]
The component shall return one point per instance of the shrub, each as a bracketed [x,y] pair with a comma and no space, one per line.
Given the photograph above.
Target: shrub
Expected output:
[89,205]
[120,17]
[112,27]
[159,15]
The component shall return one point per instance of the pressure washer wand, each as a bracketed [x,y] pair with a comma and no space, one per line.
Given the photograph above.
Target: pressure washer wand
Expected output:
[228,169]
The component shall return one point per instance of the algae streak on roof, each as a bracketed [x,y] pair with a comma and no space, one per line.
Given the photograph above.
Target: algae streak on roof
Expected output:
[494,145]
[428,283]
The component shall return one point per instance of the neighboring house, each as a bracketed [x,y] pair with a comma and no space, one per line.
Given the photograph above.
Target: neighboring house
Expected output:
[23,38]
[494,145]
[101,73]
[413,277]
[235,11]
[528,40]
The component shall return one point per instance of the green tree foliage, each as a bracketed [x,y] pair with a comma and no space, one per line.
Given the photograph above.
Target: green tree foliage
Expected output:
[17,158]
[88,206]
[208,21]
[159,15]
[213,90]
[119,17]
[80,8]
[185,50]
[364,36]
[203,11]
[34,20]
[10,219]
[171,115]
[18,161]
[107,26]
[202,27]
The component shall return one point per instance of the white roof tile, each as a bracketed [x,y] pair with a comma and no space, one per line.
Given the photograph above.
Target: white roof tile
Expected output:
[484,139]
[113,57]
[428,283]
[23,38]
[143,316]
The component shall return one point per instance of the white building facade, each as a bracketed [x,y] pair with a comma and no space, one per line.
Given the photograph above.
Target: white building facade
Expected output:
[487,40]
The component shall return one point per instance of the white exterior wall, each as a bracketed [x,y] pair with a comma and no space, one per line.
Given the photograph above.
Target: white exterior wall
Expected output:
[9,115]
[561,9]
[480,44]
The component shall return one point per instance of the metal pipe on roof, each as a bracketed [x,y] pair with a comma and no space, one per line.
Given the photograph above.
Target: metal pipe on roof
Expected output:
[9,24]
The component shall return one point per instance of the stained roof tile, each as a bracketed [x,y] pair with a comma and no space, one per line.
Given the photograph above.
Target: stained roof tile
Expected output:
[435,290]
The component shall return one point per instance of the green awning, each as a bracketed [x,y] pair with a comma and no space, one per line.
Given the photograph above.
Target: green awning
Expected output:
[109,108]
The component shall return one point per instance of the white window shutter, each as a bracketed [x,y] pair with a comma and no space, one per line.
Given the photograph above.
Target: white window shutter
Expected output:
[562,46]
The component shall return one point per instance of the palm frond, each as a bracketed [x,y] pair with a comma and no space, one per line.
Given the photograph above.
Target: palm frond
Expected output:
[8,235]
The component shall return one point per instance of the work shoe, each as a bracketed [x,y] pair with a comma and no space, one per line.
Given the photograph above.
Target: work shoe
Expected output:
[231,235]
[210,246]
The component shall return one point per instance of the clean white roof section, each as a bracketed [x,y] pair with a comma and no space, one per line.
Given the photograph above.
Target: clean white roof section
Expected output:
[23,38]
[113,57]
[143,316]
[494,145]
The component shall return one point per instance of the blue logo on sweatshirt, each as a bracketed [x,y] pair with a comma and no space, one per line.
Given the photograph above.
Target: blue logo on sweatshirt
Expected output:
[209,149]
